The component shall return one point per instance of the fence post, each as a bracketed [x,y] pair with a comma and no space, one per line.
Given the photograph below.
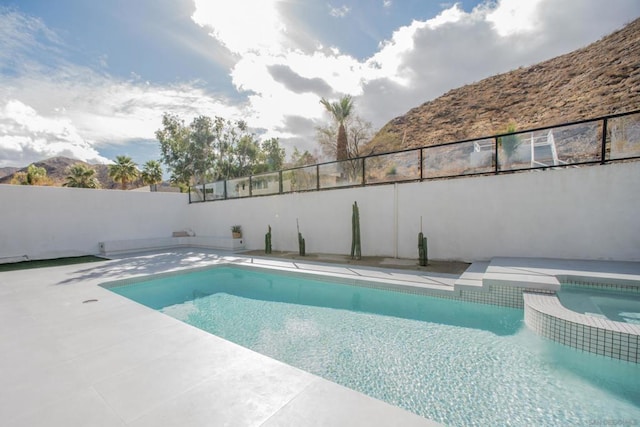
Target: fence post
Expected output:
[421,164]
[224,187]
[280,184]
[495,155]
[363,173]
[603,149]
[250,186]
[317,177]
[189,190]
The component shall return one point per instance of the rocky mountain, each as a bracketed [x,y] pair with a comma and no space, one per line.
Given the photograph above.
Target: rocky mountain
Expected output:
[56,168]
[600,79]
[8,171]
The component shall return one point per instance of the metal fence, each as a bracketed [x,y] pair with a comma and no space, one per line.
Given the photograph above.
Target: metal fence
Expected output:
[600,140]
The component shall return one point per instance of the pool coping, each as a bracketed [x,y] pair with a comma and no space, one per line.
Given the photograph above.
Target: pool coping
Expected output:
[381,278]
[550,304]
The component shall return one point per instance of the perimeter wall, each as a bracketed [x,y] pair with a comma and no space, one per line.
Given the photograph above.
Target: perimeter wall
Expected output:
[51,222]
[573,213]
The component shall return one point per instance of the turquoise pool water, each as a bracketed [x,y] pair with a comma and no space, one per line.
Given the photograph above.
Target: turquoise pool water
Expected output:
[621,306]
[454,362]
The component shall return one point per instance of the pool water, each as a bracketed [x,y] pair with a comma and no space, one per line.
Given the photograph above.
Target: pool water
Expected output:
[454,362]
[620,306]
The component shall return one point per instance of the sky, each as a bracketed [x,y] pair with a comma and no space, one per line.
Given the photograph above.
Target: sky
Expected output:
[91,79]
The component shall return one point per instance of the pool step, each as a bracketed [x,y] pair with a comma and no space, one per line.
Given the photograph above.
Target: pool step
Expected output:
[519,272]
[505,272]
[473,276]
[526,281]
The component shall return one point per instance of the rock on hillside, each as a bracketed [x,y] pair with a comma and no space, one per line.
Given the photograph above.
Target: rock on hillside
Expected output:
[600,79]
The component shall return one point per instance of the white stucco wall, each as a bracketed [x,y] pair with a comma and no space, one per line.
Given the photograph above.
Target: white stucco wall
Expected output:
[585,213]
[588,212]
[324,218]
[574,213]
[49,222]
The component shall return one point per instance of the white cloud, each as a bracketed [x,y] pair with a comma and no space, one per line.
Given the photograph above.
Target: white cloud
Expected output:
[26,136]
[339,11]
[75,111]
[389,60]
[243,25]
[447,16]
[515,16]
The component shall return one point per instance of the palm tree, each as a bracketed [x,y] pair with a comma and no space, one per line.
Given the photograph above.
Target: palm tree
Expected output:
[123,171]
[152,174]
[81,176]
[340,111]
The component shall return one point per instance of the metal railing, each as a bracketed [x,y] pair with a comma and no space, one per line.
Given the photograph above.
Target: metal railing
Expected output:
[593,141]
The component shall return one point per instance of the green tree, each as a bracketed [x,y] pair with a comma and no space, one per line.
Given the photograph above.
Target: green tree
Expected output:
[201,150]
[212,149]
[123,171]
[174,145]
[188,151]
[152,174]
[81,176]
[340,111]
[34,175]
[236,147]
[273,155]
[299,159]
[244,156]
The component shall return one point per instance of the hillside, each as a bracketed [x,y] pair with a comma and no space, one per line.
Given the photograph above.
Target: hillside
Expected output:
[56,168]
[602,78]
[7,171]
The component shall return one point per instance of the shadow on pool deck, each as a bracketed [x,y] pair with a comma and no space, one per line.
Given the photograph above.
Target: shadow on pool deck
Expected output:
[54,262]
[449,267]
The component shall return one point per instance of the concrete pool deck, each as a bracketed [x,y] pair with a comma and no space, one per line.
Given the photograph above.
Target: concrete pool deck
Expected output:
[74,354]
[67,360]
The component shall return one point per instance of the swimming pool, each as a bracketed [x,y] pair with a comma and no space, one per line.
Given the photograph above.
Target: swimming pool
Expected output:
[617,305]
[455,362]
